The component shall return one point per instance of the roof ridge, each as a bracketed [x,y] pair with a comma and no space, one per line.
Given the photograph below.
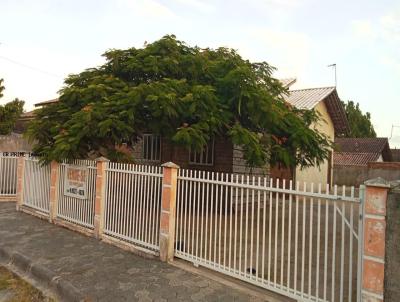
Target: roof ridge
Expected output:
[314,88]
[350,152]
[354,138]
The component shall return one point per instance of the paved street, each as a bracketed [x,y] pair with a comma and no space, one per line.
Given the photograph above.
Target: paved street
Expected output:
[101,272]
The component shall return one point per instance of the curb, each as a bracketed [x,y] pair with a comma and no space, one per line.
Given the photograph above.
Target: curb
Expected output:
[62,288]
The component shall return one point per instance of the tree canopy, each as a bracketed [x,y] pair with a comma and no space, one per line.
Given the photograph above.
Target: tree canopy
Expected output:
[186,94]
[9,113]
[359,123]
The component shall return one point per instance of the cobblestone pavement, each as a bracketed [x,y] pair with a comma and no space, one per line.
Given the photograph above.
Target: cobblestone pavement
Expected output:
[102,272]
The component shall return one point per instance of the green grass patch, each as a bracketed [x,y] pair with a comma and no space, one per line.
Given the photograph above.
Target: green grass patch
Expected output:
[21,290]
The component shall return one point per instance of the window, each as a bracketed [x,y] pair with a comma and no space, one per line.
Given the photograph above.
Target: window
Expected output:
[151,147]
[204,156]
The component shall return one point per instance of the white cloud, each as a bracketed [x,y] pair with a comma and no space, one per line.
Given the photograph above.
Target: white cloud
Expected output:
[288,51]
[390,26]
[364,29]
[385,28]
[202,6]
[391,62]
[279,4]
[148,8]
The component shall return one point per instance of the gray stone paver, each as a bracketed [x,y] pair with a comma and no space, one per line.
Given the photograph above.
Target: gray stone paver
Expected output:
[101,271]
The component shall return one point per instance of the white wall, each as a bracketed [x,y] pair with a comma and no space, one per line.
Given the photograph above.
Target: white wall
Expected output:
[319,174]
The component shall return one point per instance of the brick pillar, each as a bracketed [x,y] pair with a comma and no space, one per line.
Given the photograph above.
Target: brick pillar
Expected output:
[54,180]
[20,182]
[374,240]
[102,164]
[168,206]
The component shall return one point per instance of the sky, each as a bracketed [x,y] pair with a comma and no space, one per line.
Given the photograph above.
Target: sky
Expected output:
[42,41]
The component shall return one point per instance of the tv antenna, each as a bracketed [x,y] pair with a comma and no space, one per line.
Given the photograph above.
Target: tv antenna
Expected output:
[391,132]
[334,66]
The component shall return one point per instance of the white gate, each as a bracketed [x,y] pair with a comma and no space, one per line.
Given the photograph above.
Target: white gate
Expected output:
[36,185]
[75,210]
[302,242]
[8,175]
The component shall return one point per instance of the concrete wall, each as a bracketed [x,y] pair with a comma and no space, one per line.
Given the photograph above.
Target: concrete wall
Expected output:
[319,174]
[387,170]
[14,143]
[392,247]
[350,175]
[357,175]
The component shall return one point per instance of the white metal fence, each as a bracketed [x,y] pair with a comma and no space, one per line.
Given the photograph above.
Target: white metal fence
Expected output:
[75,210]
[8,175]
[300,241]
[133,203]
[36,185]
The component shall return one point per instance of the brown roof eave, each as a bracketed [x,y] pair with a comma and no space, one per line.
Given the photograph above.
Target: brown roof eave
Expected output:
[47,102]
[337,113]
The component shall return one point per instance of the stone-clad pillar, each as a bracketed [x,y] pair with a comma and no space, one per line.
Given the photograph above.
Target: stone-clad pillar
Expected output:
[102,164]
[168,209]
[54,180]
[374,240]
[20,182]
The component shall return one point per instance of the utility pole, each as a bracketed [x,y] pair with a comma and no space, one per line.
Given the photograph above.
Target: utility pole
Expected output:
[334,66]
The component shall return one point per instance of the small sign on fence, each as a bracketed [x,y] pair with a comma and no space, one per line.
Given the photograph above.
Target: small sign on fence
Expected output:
[75,181]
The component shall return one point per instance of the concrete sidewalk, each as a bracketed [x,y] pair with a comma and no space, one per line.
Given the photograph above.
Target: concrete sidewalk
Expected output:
[83,268]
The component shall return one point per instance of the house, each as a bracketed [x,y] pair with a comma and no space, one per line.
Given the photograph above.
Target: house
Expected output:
[353,156]
[22,123]
[360,151]
[333,123]
[220,155]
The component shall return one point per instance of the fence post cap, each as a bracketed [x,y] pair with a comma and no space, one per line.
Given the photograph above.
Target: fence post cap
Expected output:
[170,164]
[102,158]
[377,182]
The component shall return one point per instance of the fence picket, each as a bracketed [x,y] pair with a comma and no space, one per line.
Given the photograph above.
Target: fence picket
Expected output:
[8,175]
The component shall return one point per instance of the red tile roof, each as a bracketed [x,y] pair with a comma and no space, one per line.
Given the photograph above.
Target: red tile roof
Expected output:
[354,159]
[360,151]
[361,145]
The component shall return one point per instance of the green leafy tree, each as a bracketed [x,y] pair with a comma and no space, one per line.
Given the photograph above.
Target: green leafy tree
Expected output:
[186,94]
[9,113]
[360,123]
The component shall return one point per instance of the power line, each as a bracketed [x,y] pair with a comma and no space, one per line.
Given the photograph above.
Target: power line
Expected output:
[32,68]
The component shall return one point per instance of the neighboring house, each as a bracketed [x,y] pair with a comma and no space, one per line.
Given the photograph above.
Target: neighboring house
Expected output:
[326,102]
[26,117]
[353,155]
[360,151]
[22,123]
[15,142]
